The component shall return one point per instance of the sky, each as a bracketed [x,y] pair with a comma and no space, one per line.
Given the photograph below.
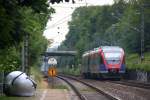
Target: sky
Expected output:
[57,27]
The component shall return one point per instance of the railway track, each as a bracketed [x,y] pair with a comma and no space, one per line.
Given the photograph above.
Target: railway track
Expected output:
[74,88]
[127,83]
[133,84]
[118,90]
[104,95]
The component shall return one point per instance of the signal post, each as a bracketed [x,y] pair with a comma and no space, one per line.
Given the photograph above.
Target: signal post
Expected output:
[52,72]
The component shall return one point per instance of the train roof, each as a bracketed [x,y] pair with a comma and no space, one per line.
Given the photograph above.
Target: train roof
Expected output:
[104,49]
[90,52]
[111,48]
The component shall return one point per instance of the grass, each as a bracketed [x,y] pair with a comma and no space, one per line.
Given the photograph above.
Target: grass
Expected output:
[71,71]
[38,77]
[35,72]
[133,62]
[88,90]
[61,87]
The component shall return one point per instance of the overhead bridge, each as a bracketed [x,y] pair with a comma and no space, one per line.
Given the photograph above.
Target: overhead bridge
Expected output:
[60,53]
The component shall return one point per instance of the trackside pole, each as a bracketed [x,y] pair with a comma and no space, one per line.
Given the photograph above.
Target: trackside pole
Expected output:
[52,82]
[52,74]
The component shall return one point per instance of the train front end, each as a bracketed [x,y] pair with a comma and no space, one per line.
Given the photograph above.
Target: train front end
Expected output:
[114,61]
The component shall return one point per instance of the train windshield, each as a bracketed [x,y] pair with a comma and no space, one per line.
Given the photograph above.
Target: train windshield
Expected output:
[113,57]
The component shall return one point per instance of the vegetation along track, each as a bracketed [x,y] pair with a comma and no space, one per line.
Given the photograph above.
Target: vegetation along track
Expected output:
[133,84]
[99,95]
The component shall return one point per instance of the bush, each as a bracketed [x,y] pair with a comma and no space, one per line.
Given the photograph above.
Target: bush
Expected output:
[133,62]
[9,59]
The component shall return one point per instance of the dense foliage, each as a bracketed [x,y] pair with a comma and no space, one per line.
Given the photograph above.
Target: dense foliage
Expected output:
[18,18]
[118,24]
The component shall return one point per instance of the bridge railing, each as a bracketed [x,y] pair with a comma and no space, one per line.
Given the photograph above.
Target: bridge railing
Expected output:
[60,53]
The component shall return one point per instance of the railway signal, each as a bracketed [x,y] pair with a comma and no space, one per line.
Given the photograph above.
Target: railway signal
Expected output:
[52,72]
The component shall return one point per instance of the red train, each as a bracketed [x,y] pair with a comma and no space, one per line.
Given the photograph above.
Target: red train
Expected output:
[103,62]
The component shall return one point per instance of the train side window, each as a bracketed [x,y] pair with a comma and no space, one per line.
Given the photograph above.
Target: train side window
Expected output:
[94,59]
[97,59]
[85,61]
[100,59]
[91,61]
[123,59]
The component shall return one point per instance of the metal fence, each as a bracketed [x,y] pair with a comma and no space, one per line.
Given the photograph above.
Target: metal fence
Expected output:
[138,75]
[1,82]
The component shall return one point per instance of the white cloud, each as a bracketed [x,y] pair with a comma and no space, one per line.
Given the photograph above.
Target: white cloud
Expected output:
[57,27]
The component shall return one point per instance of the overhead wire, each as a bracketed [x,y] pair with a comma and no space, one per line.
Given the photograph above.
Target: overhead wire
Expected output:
[57,24]
[61,21]
[73,5]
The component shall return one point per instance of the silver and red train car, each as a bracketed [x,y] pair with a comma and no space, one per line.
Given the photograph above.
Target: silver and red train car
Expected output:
[103,62]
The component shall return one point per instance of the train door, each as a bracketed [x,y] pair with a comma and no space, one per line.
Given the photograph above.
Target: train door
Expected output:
[102,67]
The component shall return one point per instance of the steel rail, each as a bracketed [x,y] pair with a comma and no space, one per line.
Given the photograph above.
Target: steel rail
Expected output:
[74,88]
[93,87]
[133,84]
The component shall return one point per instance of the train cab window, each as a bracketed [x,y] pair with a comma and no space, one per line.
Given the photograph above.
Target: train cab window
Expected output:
[113,58]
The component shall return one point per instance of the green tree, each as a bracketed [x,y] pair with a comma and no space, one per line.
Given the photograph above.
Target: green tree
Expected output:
[118,24]
[17,18]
